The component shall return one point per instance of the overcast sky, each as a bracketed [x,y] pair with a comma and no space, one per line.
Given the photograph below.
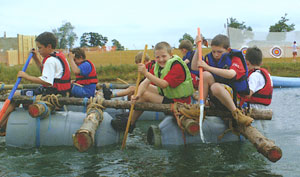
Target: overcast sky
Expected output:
[135,23]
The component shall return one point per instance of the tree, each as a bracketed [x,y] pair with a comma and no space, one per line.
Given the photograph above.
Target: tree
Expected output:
[117,44]
[233,23]
[65,36]
[280,26]
[187,37]
[92,39]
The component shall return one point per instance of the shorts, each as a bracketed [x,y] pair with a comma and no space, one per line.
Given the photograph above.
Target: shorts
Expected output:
[217,103]
[79,92]
[294,53]
[167,100]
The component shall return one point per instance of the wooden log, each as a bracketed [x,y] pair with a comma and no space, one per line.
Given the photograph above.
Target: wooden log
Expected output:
[118,104]
[40,110]
[22,86]
[191,126]
[84,138]
[263,145]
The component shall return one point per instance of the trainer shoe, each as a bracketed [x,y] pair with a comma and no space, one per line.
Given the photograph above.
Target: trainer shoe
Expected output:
[119,123]
[241,118]
[106,92]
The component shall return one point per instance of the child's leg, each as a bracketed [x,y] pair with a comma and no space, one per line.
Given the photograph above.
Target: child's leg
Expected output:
[208,80]
[129,91]
[148,96]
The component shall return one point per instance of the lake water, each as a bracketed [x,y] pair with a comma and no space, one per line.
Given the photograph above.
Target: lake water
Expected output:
[141,159]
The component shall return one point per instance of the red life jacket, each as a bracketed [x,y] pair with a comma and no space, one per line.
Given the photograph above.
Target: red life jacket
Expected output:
[264,95]
[150,65]
[90,79]
[64,83]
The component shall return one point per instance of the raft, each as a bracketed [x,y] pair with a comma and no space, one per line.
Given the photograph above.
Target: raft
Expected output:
[279,82]
[56,130]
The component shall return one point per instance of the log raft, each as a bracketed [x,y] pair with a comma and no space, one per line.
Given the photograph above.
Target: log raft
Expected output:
[262,144]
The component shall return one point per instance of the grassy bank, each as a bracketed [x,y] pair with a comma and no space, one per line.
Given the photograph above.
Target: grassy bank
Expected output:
[128,72]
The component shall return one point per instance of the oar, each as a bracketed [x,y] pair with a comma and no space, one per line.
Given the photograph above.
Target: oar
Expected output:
[200,88]
[132,105]
[7,101]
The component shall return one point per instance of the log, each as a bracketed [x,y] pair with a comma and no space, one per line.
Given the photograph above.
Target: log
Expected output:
[118,104]
[84,138]
[263,145]
[22,86]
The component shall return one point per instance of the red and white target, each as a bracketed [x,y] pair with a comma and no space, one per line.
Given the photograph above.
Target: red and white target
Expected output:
[276,52]
[244,50]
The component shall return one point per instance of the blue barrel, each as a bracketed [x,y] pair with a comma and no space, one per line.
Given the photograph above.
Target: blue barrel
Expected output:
[56,130]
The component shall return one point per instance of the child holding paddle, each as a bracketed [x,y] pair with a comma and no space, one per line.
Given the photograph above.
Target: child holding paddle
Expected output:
[55,70]
[172,79]
[224,66]
[259,79]
[149,64]
[85,73]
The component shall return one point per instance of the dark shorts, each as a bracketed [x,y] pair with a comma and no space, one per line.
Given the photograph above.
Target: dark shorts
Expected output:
[167,100]
[42,91]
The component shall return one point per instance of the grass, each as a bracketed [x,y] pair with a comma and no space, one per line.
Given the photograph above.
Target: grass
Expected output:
[120,64]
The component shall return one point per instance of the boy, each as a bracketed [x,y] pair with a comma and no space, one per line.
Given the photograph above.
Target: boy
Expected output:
[55,70]
[130,90]
[259,79]
[224,66]
[294,46]
[172,79]
[85,73]
[186,48]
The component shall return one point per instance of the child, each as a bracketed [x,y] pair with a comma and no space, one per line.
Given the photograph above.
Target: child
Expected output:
[55,70]
[259,79]
[224,66]
[130,90]
[172,79]
[54,67]
[186,48]
[86,76]
[294,51]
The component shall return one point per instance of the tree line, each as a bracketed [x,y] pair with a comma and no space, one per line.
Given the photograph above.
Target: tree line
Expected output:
[66,36]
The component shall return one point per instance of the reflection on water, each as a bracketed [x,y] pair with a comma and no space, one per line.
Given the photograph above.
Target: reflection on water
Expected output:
[141,159]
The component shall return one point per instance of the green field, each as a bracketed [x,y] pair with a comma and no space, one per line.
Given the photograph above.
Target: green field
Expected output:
[120,64]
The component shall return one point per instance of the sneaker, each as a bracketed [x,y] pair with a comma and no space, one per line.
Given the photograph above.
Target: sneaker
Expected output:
[120,122]
[241,118]
[106,92]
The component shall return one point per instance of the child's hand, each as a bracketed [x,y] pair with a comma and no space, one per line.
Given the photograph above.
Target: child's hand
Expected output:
[33,51]
[202,64]
[198,39]
[142,69]
[22,74]
[134,98]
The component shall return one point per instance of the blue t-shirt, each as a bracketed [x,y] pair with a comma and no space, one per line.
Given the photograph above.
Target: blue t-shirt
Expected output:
[86,90]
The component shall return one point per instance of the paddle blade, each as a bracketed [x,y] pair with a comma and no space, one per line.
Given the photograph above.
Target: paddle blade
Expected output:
[4,108]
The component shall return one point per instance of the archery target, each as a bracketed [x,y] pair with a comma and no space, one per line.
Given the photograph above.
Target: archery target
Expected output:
[244,50]
[276,52]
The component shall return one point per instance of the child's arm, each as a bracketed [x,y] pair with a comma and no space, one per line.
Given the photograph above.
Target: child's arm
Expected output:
[36,59]
[142,88]
[225,73]
[157,81]
[32,78]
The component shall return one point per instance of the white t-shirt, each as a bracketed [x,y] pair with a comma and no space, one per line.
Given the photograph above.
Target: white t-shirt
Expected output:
[256,82]
[53,69]
[294,47]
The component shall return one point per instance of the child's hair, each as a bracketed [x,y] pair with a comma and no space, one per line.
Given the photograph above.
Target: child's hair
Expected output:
[138,57]
[79,53]
[221,41]
[186,44]
[254,56]
[294,42]
[163,46]
[47,38]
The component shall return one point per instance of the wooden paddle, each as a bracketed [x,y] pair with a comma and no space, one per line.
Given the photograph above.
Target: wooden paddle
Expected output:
[7,101]
[132,105]
[200,88]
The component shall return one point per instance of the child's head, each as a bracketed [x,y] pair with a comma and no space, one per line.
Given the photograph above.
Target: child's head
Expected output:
[294,42]
[138,58]
[46,43]
[185,46]
[220,45]
[162,53]
[79,55]
[253,56]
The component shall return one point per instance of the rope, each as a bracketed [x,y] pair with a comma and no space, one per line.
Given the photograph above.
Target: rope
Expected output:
[231,128]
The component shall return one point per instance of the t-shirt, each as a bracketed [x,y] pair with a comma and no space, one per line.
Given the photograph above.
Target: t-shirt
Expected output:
[175,77]
[294,47]
[53,69]
[238,67]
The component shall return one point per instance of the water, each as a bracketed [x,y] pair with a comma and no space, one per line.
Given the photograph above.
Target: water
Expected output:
[141,159]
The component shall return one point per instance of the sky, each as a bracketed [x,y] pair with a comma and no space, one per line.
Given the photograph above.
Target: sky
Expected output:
[135,23]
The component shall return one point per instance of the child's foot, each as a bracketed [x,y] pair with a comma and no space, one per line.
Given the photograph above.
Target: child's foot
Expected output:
[119,123]
[106,92]
[241,118]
